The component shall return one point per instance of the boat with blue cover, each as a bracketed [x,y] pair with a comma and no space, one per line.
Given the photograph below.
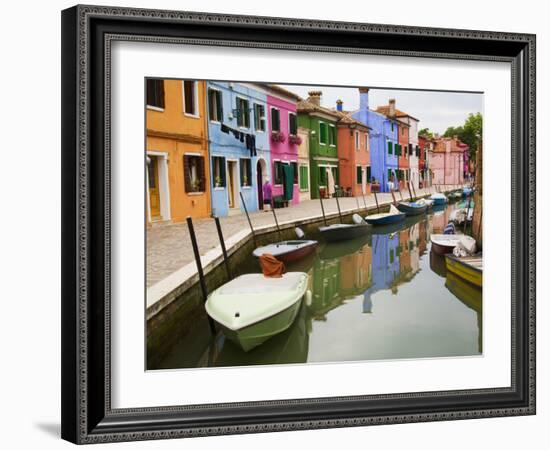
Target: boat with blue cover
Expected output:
[393,216]
[412,208]
[438,199]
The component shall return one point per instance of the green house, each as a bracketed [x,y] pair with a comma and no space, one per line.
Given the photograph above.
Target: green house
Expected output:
[323,146]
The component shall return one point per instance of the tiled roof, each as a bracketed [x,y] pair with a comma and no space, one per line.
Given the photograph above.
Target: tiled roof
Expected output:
[305,106]
[345,117]
[398,113]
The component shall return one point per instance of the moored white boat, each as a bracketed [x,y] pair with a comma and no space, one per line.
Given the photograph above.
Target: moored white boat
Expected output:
[445,243]
[252,308]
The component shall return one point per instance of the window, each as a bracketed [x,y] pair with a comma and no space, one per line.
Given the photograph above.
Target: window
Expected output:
[323,176]
[392,126]
[190,95]
[304,178]
[332,135]
[215,108]
[368,174]
[398,149]
[193,168]
[292,124]
[389,175]
[243,115]
[417,151]
[357,140]
[390,147]
[323,133]
[246,171]
[392,256]
[359,174]
[275,120]
[402,131]
[410,149]
[155,93]
[218,171]
[294,166]
[259,117]
[278,169]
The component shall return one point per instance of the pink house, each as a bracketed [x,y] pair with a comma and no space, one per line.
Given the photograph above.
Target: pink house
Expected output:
[447,162]
[283,141]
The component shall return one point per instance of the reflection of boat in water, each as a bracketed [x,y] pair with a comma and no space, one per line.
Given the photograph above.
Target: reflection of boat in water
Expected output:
[343,231]
[289,347]
[466,292]
[338,249]
[471,296]
[437,264]
[252,308]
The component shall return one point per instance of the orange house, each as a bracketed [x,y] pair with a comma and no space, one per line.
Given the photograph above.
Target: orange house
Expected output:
[353,155]
[177,151]
[403,152]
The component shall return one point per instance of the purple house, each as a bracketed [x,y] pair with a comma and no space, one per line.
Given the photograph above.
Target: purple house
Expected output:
[466,152]
[283,142]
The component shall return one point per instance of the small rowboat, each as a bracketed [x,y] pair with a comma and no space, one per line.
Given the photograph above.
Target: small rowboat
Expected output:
[445,243]
[412,208]
[393,216]
[438,199]
[426,201]
[252,308]
[288,251]
[344,231]
[469,268]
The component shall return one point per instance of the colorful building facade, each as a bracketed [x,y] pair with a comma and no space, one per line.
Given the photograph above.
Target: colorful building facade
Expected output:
[403,175]
[353,154]
[284,140]
[321,123]
[383,140]
[178,167]
[239,146]
[447,162]
[303,164]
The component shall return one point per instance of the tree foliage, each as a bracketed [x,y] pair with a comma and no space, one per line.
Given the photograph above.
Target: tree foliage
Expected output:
[426,133]
[470,132]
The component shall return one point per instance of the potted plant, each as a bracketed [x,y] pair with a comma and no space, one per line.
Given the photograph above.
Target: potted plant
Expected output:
[245,180]
[278,136]
[294,139]
[217,181]
[375,185]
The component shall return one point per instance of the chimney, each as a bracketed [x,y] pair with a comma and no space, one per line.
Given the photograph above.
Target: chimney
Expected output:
[315,97]
[391,112]
[339,105]
[363,99]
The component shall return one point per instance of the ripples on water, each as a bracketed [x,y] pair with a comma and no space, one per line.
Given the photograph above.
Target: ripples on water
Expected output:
[382,296]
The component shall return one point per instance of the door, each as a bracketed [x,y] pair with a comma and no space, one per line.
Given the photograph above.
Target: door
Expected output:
[231,183]
[154,196]
[259,184]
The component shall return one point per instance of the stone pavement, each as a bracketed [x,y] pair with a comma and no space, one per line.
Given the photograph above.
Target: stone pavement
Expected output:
[169,245]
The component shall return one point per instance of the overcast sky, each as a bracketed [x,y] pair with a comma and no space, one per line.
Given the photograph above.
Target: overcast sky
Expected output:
[435,110]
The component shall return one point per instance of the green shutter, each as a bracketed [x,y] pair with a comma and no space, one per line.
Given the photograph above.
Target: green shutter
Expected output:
[368,174]
[390,147]
[359,174]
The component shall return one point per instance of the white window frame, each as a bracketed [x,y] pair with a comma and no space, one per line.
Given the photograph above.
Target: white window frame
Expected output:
[196,102]
[271,108]
[208,105]
[288,118]
[241,97]
[254,104]
[321,134]
[328,136]
[357,140]
[300,176]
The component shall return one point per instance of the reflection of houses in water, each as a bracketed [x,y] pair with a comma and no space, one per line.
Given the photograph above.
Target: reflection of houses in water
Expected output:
[385,265]
[423,236]
[409,256]
[356,272]
[326,286]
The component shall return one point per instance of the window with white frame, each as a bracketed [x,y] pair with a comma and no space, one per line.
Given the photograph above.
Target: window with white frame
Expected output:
[215,105]
[357,140]
[259,117]
[331,135]
[243,114]
[323,133]
[292,124]
[190,98]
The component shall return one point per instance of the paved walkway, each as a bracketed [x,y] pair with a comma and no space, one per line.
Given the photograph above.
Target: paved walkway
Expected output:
[169,245]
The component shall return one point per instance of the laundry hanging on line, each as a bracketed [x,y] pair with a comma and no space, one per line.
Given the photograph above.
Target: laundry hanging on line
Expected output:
[248,139]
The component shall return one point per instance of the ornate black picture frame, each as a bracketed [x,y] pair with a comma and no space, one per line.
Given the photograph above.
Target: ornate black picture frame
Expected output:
[87,34]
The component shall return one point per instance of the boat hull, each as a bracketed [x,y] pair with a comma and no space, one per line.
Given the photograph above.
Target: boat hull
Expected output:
[256,334]
[439,201]
[442,249]
[464,270]
[343,233]
[293,254]
[386,220]
[410,210]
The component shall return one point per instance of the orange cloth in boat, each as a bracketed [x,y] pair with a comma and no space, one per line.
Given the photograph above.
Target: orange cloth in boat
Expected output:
[271,266]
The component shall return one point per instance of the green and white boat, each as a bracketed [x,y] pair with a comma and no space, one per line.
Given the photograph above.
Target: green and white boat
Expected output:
[252,308]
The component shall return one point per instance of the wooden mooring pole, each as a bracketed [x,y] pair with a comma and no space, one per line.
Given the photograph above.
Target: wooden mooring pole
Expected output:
[248,218]
[338,206]
[222,244]
[322,207]
[202,281]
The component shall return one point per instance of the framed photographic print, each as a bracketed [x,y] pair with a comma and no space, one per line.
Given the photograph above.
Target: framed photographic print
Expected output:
[267,222]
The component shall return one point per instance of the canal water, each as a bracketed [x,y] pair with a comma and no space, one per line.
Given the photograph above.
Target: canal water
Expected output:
[382,296]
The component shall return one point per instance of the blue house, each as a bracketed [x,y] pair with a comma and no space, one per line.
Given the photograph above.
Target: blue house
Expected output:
[383,140]
[238,146]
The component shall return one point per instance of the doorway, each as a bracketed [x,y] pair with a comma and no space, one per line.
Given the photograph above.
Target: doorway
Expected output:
[260,174]
[154,192]
[232,184]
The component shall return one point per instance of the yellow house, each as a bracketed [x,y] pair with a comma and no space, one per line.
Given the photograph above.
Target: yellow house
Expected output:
[177,151]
